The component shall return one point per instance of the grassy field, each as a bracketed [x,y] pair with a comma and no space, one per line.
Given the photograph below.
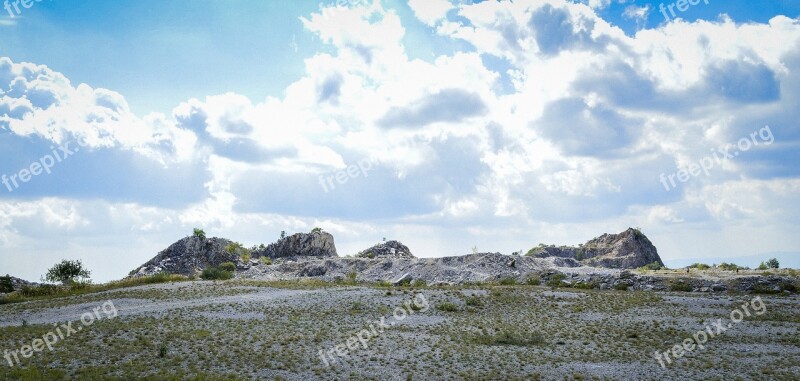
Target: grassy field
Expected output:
[238,330]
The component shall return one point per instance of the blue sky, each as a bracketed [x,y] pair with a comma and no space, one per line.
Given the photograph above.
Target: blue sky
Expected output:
[490,124]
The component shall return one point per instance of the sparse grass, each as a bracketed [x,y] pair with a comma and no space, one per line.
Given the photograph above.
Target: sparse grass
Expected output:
[447,307]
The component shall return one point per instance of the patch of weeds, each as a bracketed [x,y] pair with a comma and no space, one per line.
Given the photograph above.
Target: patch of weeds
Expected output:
[447,307]
[508,282]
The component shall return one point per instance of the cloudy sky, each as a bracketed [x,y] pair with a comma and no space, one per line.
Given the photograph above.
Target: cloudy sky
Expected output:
[443,124]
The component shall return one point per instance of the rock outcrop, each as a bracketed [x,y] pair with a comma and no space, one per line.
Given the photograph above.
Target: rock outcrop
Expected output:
[315,244]
[189,256]
[389,249]
[627,250]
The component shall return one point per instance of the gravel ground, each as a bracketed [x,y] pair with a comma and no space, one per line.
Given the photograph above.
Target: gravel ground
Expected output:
[256,330]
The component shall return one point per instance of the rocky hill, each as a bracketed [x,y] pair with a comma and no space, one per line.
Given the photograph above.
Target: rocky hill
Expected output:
[627,250]
[188,256]
[389,249]
[318,243]
[314,255]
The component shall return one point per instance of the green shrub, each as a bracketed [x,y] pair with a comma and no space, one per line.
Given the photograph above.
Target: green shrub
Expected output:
[652,266]
[419,283]
[474,301]
[316,230]
[447,307]
[555,280]
[5,284]
[215,273]
[266,261]
[510,337]
[699,266]
[728,266]
[621,287]
[679,285]
[199,233]
[508,281]
[534,280]
[227,266]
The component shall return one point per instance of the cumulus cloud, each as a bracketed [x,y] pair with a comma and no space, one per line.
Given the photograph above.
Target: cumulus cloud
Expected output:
[576,140]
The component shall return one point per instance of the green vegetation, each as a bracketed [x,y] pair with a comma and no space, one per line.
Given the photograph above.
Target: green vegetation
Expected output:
[729,267]
[447,307]
[653,266]
[216,273]
[555,280]
[419,283]
[699,266]
[510,336]
[266,261]
[5,284]
[199,233]
[680,285]
[316,230]
[67,272]
[508,281]
[227,266]
[621,287]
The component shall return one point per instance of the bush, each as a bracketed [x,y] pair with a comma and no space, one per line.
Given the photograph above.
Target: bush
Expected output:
[508,281]
[67,272]
[555,280]
[447,307]
[652,266]
[728,266]
[5,284]
[199,233]
[510,337]
[679,285]
[316,230]
[534,280]
[621,287]
[227,266]
[266,261]
[699,266]
[773,263]
[474,301]
[215,273]
[419,283]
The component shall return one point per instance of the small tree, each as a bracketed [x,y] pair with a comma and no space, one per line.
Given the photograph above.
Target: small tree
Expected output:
[199,233]
[5,284]
[67,272]
[316,230]
[773,263]
[762,266]
[283,234]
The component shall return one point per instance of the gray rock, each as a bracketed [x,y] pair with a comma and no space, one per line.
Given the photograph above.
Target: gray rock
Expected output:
[315,244]
[627,250]
[406,278]
[389,249]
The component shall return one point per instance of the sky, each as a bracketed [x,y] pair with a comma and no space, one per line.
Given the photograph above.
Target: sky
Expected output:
[446,124]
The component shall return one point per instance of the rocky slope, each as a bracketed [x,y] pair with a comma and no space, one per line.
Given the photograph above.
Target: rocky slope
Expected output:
[188,256]
[627,250]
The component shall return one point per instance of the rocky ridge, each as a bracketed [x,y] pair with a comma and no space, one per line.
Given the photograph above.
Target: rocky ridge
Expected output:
[627,250]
